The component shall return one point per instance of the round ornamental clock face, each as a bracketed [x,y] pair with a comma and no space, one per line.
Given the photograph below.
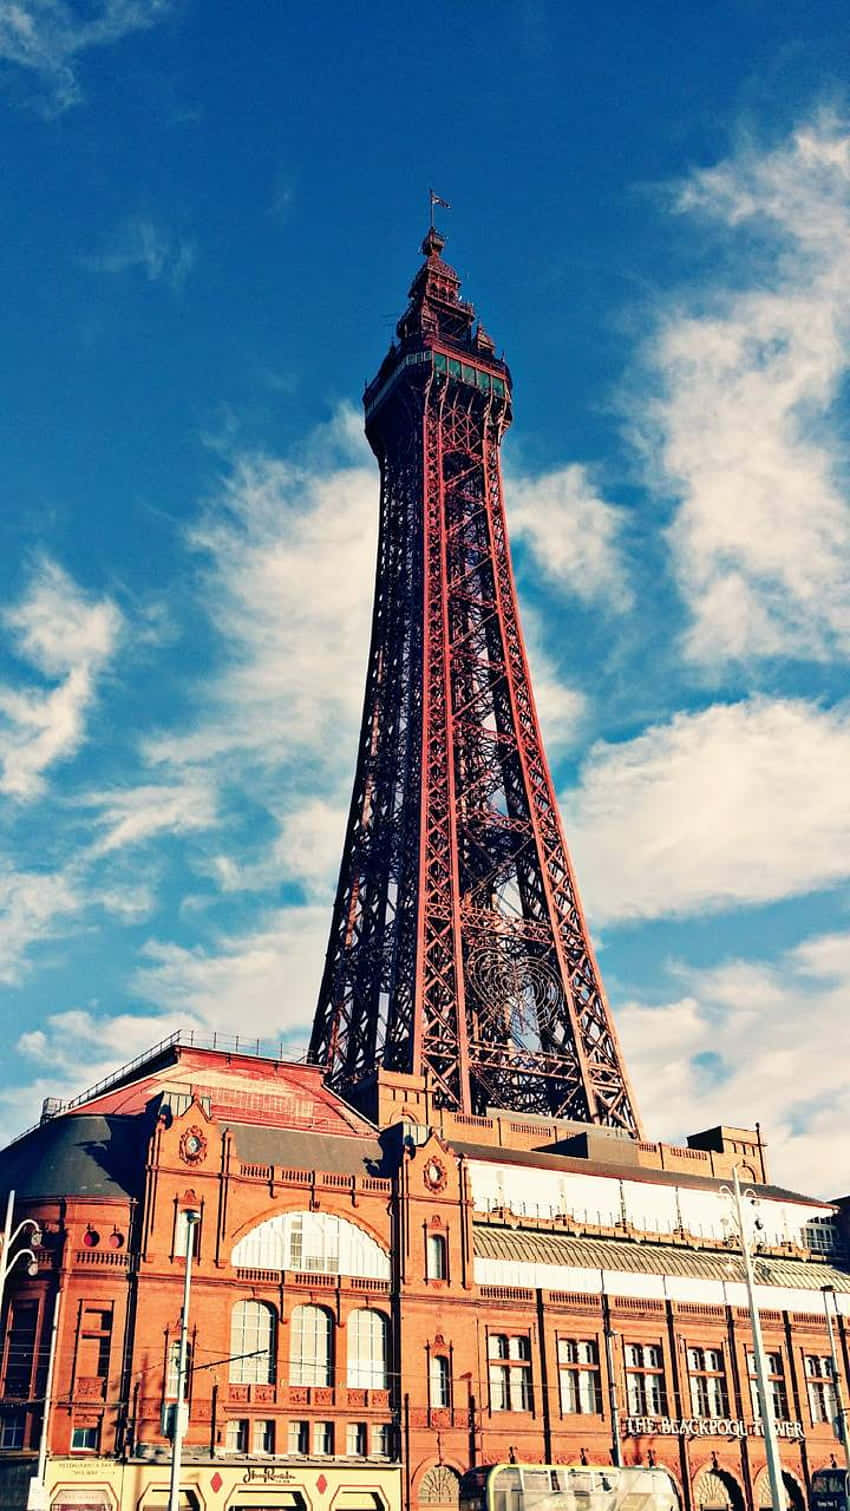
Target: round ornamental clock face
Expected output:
[435,1175]
[193,1146]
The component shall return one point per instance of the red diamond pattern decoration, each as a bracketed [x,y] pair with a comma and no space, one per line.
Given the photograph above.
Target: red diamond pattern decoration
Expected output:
[216,1482]
[321,1484]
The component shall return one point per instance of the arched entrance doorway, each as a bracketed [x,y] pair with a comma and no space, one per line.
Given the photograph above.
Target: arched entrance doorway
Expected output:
[717,1490]
[794,1497]
[439,1486]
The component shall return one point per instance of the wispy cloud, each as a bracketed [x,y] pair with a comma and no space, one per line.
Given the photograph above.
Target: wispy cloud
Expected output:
[69,639]
[740,429]
[265,979]
[289,551]
[572,532]
[740,803]
[746,1017]
[47,37]
[132,816]
[140,244]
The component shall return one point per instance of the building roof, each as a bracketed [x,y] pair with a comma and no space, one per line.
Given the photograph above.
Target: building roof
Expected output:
[307,1151]
[570,1164]
[250,1089]
[533,1246]
[76,1155]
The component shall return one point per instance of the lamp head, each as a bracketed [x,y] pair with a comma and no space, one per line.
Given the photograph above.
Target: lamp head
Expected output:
[32,1268]
[36,1236]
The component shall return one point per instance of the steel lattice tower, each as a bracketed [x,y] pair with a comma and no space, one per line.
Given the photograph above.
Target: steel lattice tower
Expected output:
[458,948]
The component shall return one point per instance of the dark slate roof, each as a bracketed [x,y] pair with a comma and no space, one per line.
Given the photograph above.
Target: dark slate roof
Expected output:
[85,1155]
[531,1246]
[294,1149]
[569,1164]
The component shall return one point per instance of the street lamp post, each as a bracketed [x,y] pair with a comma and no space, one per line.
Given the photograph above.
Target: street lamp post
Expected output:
[191,1218]
[11,1237]
[774,1467]
[841,1423]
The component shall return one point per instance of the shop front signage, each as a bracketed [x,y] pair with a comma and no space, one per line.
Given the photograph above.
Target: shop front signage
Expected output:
[704,1427]
[268,1474]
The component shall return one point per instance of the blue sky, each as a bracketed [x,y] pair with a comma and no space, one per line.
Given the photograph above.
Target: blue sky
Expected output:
[212,218]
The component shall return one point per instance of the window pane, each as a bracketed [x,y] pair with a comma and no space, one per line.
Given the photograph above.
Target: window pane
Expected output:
[310,1358]
[298,1437]
[367,1350]
[252,1343]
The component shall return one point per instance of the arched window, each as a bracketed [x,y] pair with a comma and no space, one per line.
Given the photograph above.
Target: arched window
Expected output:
[252,1343]
[313,1242]
[310,1347]
[439,1382]
[367,1350]
[436,1267]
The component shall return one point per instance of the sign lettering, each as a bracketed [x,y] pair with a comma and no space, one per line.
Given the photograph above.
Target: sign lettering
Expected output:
[705,1427]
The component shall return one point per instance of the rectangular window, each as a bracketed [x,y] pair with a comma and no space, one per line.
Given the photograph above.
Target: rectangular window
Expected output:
[355,1440]
[12,1430]
[20,1349]
[173,1371]
[323,1438]
[510,1372]
[85,1439]
[298,1437]
[707,1382]
[454,367]
[578,1376]
[262,1436]
[645,1393]
[95,1340]
[440,362]
[382,1440]
[236,1435]
[181,1236]
[820,1388]
[440,1391]
[776,1386]
[436,1267]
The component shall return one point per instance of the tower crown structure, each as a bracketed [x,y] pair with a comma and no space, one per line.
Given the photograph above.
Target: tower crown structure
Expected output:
[458,949]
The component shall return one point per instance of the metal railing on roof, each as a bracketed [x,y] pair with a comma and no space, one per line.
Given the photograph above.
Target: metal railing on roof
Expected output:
[187,1038]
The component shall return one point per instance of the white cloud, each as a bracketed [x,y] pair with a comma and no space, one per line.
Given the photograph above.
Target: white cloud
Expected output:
[34,908]
[46,37]
[264,981]
[133,815]
[740,803]
[38,907]
[731,1051]
[69,639]
[290,552]
[572,533]
[741,432]
[139,243]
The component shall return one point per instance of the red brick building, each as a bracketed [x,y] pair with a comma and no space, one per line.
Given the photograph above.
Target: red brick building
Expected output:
[379,1304]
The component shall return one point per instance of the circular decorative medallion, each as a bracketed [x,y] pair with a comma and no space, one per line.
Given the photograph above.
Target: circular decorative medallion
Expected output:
[436,1176]
[193,1146]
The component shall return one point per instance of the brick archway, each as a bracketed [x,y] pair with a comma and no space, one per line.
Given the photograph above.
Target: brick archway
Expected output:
[795,1500]
[717,1490]
[439,1486]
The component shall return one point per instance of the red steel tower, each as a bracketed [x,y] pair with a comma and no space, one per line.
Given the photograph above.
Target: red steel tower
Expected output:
[458,947]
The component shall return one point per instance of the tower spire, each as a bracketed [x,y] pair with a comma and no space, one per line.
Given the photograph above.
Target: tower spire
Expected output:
[458,946]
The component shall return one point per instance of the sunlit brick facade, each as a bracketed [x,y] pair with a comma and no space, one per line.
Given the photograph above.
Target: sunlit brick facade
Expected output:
[379,1304]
